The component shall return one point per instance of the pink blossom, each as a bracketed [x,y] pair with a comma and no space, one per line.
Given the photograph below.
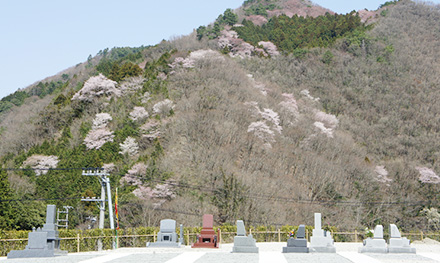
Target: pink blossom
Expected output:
[321,127]
[272,117]
[262,131]
[163,107]
[330,121]
[138,113]
[95,87]
[95,139]
[101,120]
[269,47]
[382,175]
[290,103]
[307,94]
[428,176]
[43,162]
[129,146]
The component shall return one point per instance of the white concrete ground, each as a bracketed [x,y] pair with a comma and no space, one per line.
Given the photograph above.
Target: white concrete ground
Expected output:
[427,251]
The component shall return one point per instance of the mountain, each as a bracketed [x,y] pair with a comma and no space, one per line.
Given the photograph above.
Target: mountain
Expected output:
[268,120]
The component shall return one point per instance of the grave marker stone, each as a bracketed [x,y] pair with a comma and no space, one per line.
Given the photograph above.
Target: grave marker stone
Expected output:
[321,241]
[298,244]
[207,238]
[243,243]
[43,242]
[397,243]
[376,244]
[167,236]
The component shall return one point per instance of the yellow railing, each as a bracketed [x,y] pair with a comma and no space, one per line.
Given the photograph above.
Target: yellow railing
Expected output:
[90,243]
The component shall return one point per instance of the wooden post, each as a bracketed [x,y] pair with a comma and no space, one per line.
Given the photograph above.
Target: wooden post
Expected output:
[187,238]
[421,235]
[307,234]
[355,236]
[279,235]
[154,237]
[219,236]
[77,243]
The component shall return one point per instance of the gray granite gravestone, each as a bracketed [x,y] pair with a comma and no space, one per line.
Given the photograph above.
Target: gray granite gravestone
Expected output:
[43,242]
[298,244]
[243,243]
[376,244]
[397,243]
[167,236]
[181,235]
[321,241]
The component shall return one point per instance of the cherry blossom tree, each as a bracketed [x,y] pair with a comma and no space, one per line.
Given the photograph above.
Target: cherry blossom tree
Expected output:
[134,175]
[289,104]
[428,176]
[138,113]
[163,107]
[99,134]
[306,93]
[95,87]
[95,139]
[101,120]
[42,162]
[326,123]
[129,146]
[269,47]
[262,131]
[272,117]
[382,175]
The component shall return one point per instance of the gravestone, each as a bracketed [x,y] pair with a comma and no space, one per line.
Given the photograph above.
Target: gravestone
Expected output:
[321,241]
[298,244]
[43,242]
[181,235]
[243,243]
[167,236]
[397,243]
[376,244]
[207,238]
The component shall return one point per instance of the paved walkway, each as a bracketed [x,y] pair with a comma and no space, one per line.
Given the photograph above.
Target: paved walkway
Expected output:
[269,252]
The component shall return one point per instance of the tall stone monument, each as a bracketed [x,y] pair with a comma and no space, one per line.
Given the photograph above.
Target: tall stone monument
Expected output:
[321,241]
[207,238]
[397,243]
[243,243]
[43,242]
[298,244]
[167,236]
[376,244]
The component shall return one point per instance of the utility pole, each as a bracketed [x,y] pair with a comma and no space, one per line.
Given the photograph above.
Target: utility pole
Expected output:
[105,185]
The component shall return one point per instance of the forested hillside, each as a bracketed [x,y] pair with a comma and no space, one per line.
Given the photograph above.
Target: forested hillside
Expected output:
[266,122]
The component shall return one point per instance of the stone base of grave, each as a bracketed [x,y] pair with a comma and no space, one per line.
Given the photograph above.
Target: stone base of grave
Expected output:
[372,245]
[163,244]
[400,245]
[296,246]
[244,244]
[36,253]
[323,250]
[322,244]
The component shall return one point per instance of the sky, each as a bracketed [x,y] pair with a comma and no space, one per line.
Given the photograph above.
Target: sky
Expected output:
[38,39]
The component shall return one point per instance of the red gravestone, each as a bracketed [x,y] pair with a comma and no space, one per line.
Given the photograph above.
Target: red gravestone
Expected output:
[207,238]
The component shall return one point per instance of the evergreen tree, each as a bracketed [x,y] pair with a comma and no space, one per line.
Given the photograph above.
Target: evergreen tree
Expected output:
[6,217]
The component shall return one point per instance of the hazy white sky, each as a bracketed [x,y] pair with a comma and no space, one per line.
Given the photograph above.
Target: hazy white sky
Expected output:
[41,38]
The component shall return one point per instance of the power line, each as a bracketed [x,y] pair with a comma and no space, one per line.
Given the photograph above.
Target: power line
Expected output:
[251,196]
